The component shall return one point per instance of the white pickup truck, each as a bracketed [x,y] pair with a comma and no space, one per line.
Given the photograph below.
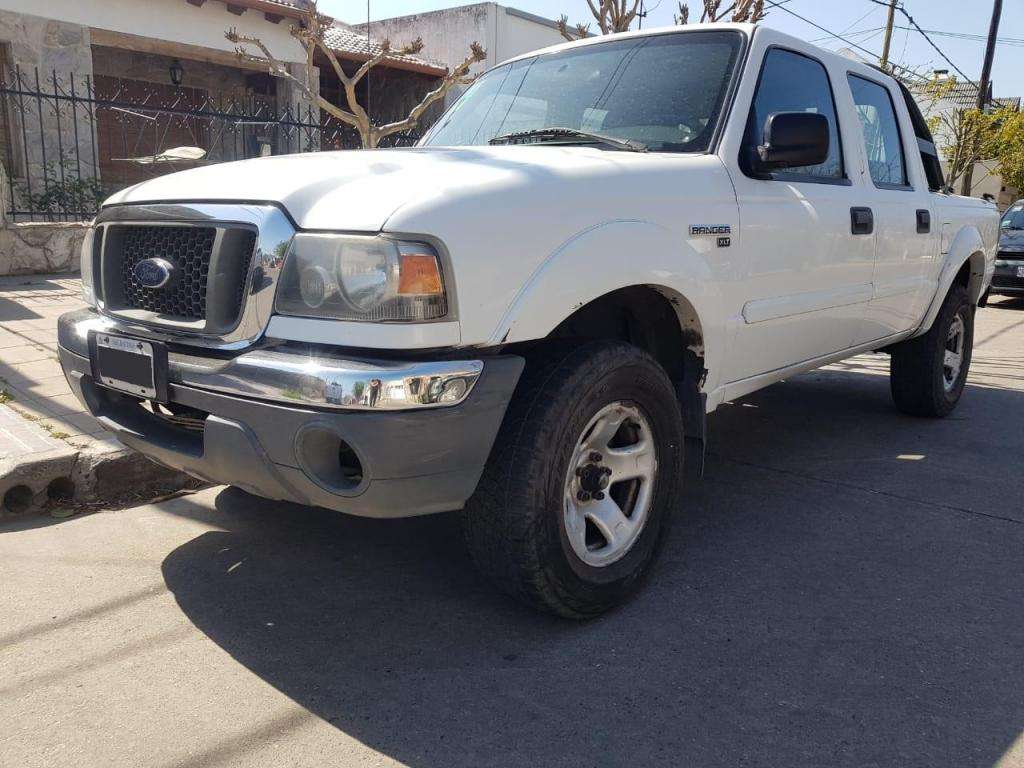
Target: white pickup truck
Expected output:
[528,316]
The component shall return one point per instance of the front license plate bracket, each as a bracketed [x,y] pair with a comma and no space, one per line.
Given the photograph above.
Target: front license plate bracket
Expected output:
[133,366]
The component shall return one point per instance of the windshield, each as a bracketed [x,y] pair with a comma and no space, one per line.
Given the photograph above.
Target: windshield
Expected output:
[665,91]
[1014,218]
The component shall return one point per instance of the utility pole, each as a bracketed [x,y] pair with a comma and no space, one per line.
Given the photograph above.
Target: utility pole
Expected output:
[888,34]
[985,85]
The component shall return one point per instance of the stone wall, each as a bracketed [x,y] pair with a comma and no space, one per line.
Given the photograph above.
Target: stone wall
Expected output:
[40,247]
[45,43]
[37,46]
[37,247]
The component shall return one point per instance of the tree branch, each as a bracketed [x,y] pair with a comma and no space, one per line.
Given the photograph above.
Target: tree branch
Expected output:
[310,34]
[457,75]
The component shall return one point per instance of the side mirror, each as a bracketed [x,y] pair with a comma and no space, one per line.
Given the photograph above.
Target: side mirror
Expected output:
[793,140]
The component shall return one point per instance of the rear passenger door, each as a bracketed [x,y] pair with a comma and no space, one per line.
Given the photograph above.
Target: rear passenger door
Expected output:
[906,244]
[807,274]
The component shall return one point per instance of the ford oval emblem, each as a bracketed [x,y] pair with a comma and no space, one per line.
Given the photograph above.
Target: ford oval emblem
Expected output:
[154,273]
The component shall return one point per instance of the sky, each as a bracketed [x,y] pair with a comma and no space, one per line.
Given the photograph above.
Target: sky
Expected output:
[860,21]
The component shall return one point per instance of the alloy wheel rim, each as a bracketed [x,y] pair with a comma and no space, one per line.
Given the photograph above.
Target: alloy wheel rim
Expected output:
[953,355]
[609,485]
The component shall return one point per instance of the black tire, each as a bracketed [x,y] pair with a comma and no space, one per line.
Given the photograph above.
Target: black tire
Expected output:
[917,374]
[514,523]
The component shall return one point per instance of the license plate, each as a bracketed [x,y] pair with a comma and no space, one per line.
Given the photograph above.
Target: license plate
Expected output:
[128,365]
[1020,271]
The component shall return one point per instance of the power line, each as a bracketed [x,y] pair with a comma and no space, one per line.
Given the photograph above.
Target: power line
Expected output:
[871,31]
[931,42]
[830,33]
[862,49]
[1011,41]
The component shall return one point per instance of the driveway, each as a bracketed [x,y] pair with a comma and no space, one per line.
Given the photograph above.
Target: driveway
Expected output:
[844,588]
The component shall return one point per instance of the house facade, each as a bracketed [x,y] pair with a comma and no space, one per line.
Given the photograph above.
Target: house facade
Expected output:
[96,95]
[447,34]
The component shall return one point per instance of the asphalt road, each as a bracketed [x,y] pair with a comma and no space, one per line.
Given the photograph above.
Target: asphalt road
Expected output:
[845,588]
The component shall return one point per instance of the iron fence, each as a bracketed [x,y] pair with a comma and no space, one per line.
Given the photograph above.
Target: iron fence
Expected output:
[68,142]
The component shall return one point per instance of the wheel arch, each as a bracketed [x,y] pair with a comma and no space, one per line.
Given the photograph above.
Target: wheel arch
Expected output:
[656,318]
[965,264]
[632,266]
[666,325]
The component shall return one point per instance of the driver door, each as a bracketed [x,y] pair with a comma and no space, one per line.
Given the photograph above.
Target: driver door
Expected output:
[808,253]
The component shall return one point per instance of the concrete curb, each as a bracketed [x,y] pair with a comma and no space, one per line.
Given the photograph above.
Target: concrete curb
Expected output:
[96,475]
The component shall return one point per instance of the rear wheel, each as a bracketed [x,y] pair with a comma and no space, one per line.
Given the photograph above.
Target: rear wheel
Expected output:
[579,489]
[927,374]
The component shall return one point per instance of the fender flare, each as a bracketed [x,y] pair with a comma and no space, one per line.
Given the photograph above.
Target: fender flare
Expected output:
[968,245]
[605,258]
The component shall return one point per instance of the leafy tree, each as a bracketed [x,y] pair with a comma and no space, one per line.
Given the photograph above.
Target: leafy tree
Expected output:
[968,137]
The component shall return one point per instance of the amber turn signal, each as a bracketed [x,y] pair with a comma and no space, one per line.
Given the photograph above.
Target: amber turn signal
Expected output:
[418,275]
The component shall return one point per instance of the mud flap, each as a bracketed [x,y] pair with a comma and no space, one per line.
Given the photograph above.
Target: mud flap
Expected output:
[693,403]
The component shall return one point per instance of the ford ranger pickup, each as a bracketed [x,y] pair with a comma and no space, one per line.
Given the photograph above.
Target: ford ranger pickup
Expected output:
[528,315]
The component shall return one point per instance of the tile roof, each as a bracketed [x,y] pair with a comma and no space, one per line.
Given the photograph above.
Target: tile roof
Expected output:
[297,4]
[964,95]
[353,44]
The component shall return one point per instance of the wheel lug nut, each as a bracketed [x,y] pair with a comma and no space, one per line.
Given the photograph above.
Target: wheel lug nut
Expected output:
[599,496]
[579,471]
[595,456]
[583,496]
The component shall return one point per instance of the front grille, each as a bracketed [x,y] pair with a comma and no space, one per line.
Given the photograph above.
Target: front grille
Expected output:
[189,249]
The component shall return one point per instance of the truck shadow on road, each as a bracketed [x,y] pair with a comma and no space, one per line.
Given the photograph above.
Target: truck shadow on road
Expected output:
[843,588]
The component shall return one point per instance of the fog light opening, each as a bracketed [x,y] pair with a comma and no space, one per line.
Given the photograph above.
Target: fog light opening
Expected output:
[350,465]
[329,461]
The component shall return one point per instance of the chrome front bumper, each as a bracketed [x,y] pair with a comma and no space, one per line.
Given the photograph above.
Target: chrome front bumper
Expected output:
[292,375]
[365,437]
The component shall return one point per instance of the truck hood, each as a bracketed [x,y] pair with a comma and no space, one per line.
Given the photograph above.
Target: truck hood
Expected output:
[361,190]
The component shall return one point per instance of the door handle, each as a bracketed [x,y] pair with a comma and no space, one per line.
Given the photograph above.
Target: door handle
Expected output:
[862,221]
[924,221]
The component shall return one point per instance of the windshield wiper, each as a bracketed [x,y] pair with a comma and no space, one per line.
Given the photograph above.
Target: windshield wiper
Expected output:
[567,136]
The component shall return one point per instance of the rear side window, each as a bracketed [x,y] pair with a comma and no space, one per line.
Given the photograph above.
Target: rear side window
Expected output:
[791,82]
[881,133]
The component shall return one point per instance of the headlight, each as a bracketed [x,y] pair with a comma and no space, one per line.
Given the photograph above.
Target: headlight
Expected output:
[351,277]
[85,267]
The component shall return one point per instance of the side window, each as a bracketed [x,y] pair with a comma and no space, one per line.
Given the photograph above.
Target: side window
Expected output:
[925,142]
[881,132]
[791,82]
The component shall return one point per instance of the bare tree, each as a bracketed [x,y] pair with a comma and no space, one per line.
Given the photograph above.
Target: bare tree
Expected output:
[751,11]
[611,15]
[310,34]
[617,15]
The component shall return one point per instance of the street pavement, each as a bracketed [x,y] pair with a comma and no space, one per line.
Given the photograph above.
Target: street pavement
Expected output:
[844,588]
[50,446]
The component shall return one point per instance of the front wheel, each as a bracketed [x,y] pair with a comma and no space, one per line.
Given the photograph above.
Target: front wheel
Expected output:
[581,484]
[927,374]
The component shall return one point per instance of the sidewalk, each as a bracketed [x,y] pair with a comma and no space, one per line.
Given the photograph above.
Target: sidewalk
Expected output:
[51,449]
